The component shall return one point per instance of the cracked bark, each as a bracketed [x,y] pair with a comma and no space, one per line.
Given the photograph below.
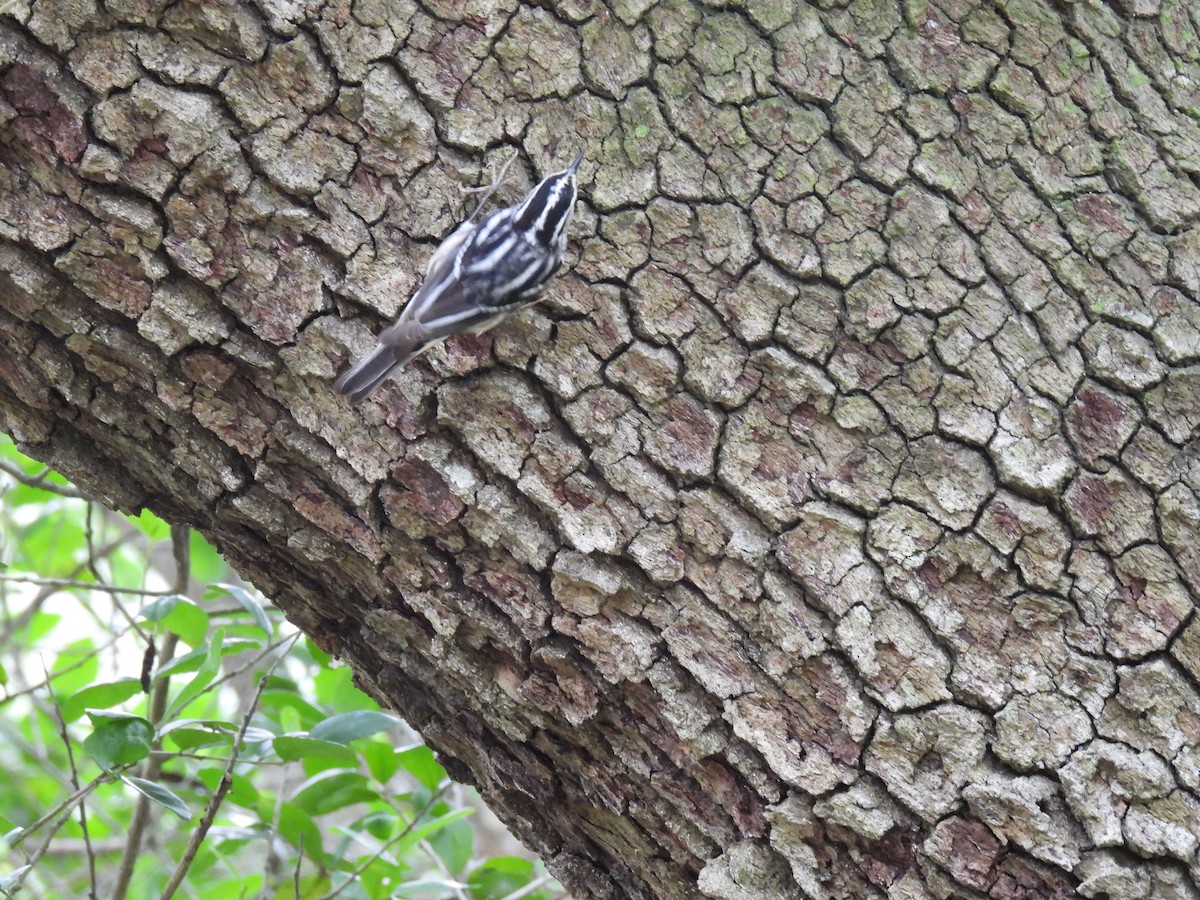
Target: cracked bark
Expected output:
[830,532]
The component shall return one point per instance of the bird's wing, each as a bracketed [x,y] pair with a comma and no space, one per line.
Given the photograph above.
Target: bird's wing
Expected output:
[447,301]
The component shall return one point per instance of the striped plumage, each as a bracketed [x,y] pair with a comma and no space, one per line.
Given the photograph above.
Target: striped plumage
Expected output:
[477,276]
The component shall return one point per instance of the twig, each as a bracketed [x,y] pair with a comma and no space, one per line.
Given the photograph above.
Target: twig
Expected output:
[296,871]
[427,847]
[100,779]
[33,689]
[441,866]
[223,788]
[234,673]
[208,758]
[86,585]
[39,481]
[83,822]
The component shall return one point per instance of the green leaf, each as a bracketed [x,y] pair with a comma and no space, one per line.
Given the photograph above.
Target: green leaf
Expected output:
[244,793]
[159,607]
[241,791]
[319,656]
[500,876]
[235,888]
[312,886]
[40,625]
[182,665]
[203,677]
[3,676]
[187,734]
[159,794]
[249,603]
[105,695]
[380,825]
[294,747]
[151,525]
[419,762]
[351,726]
[277,702]
[253,736]
[188,739]
[382,759]
[118,739]
[454,843]
[180,616]
[82,655]
[188,621]
[193,659]
[428,828]
[52,544]
[336,690]
[379,879]
[334,789]
[297,828]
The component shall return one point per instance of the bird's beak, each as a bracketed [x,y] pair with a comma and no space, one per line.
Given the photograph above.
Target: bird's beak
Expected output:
[575,165]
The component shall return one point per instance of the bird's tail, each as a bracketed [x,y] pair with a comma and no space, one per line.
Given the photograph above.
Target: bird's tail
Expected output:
[367,375]
[397,345]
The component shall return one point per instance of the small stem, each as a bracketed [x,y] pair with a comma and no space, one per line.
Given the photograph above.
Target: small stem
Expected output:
[83,822]
[151,772]
[158,707]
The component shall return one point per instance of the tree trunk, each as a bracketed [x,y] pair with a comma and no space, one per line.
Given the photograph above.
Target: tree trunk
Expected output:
[831,531]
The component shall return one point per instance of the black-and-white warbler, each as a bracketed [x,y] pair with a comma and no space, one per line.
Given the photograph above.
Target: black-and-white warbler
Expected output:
[476,277]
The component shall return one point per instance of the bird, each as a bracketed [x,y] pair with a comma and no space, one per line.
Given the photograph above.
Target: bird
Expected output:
[479,274]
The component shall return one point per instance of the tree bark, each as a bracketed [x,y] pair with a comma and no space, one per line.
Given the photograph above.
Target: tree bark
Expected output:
[831,531]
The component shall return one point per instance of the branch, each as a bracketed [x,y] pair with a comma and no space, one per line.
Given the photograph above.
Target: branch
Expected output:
[39,481]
